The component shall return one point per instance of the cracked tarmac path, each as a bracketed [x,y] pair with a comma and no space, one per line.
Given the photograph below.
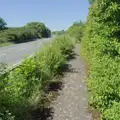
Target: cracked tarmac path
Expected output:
[72,104]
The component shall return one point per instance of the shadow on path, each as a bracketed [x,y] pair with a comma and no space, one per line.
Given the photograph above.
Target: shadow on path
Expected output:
[54,87]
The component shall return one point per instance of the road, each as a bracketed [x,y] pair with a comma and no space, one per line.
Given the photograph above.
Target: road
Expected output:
[13,54]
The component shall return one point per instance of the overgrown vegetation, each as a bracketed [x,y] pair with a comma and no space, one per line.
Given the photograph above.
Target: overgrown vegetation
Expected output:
[76,31]
[29,82]
[58,32]
[2,24]
[101,44]
[29,32]
[91,1]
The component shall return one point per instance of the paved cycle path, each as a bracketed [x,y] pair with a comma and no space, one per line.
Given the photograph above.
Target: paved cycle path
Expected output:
[72,104]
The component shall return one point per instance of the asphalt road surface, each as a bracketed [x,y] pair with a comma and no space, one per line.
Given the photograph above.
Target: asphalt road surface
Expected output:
[13,54]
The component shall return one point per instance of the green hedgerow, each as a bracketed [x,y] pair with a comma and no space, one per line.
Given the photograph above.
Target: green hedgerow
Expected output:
[101,45]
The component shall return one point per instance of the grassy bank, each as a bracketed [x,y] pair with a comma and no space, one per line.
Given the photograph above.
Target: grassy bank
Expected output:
[6,44]
[27,84]
[101,46]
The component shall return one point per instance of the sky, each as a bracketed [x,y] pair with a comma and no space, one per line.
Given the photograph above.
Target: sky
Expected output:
[56,14]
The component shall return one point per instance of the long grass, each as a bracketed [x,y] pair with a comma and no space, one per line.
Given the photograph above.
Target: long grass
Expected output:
[22,86]
[102,48]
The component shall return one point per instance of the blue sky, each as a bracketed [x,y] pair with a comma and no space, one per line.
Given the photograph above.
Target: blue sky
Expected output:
[56,14]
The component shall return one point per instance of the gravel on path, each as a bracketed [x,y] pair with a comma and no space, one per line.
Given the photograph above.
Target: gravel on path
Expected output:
[72,104]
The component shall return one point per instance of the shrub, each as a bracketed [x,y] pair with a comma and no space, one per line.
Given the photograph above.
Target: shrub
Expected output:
[32,77]
[29,32]
[102,48]
[76,31]
[62,32]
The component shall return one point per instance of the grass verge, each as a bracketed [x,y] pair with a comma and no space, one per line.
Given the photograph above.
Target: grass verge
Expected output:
[27,85]
[6,44]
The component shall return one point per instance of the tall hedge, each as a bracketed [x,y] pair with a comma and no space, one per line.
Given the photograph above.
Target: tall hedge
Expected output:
[101,43]
[91,1]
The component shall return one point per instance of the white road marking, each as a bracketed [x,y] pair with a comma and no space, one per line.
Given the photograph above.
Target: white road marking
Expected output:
[20,48]
[2,54]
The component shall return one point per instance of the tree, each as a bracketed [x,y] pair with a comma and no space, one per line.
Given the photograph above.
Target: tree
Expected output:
[102,49]
[39,28]
[78,23]
[76,30]
[2,24]
[61,32]
[91,1]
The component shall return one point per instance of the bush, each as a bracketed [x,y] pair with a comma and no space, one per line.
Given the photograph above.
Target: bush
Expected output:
[29,32]
[76,31]
[2,24]
[32,77]
[113,113]
[102,48]
[62,32]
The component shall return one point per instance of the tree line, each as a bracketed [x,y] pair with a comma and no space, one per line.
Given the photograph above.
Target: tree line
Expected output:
[26,88]
[26,33]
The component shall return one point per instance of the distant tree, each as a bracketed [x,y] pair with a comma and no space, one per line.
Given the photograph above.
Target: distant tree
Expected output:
[2,24]
[91,1]
[78,23]
[39,28]
[58,32]
[76,30]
